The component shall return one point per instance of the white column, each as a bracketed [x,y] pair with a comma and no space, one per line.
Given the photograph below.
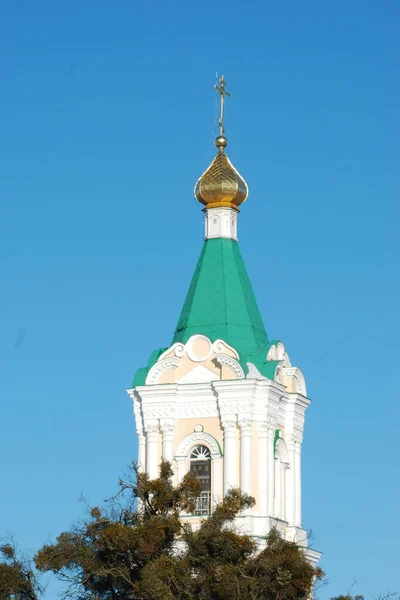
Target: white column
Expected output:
[216,478]
[152,449]
[284,471]
[262,470]
[278,489]
[245,455]
[181,467]
[297,469]
[168,437]
[141,459]
[290,485]
[271,470]
[230,455]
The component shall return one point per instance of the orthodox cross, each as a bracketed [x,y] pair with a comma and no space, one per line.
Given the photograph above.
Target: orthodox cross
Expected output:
[222,92]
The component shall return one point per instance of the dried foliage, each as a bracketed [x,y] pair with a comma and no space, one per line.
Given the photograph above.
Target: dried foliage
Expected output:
[18,579]
[138,547]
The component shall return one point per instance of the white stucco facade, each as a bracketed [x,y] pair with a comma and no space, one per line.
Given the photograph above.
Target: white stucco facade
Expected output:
[198,394]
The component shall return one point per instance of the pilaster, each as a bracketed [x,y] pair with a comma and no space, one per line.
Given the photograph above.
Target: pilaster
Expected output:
[230,454]
[141,459]
[271,470]
[168,437]
[153,457]
[297,469]
[246,435]
[262,469]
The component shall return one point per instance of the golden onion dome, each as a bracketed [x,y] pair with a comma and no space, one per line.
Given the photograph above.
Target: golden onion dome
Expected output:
[221,185]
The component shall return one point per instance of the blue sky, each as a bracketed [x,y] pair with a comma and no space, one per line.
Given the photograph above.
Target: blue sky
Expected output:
[107,119]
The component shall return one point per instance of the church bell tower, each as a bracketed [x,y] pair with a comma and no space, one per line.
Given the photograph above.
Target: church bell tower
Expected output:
[222,399]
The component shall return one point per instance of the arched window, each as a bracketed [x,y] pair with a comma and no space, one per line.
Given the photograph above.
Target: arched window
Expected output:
[200,464]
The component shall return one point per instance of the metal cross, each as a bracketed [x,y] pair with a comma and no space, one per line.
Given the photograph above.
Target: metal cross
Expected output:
[222,92]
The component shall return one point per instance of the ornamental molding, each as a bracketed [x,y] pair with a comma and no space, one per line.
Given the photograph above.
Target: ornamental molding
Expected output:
[195,438]
[197,353]
[298,421]
[245,399]
[189,348]
[281,415]
[196,409]
[297,375]
[160,366]
[278,352]
[298,440]
[246,426]
[233,408]
[219,346]
[159,410]
[229,426]
[179,349]
[137,411]
[224,359]
[167,427]
[263,428]
[272,409]
[151,427]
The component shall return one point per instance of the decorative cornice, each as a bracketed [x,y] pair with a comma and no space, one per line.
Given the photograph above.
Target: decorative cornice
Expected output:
[160,410]
[194,409]
[252,399]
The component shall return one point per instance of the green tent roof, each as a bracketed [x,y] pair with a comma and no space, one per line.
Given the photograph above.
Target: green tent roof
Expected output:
[220,302]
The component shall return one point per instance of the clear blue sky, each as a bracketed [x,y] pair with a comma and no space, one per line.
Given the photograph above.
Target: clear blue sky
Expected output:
[107,120]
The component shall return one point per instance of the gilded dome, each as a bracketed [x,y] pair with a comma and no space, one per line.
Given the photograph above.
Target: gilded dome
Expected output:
[221,185]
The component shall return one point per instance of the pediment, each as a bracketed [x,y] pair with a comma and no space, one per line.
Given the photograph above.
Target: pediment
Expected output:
[199,374]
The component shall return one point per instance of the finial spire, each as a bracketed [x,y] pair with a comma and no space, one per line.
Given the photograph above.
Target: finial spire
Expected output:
[221,186]
[222,92]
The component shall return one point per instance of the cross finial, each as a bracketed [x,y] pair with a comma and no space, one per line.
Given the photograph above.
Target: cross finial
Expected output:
[222,92]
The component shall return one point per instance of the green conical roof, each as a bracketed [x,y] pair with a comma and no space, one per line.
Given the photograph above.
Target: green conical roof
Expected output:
[220,302]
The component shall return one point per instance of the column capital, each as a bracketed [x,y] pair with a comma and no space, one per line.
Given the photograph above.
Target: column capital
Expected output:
[180,459]
[297,438]
[151,427]
[266,429]
[167,427]
[245,426]
[229,424]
